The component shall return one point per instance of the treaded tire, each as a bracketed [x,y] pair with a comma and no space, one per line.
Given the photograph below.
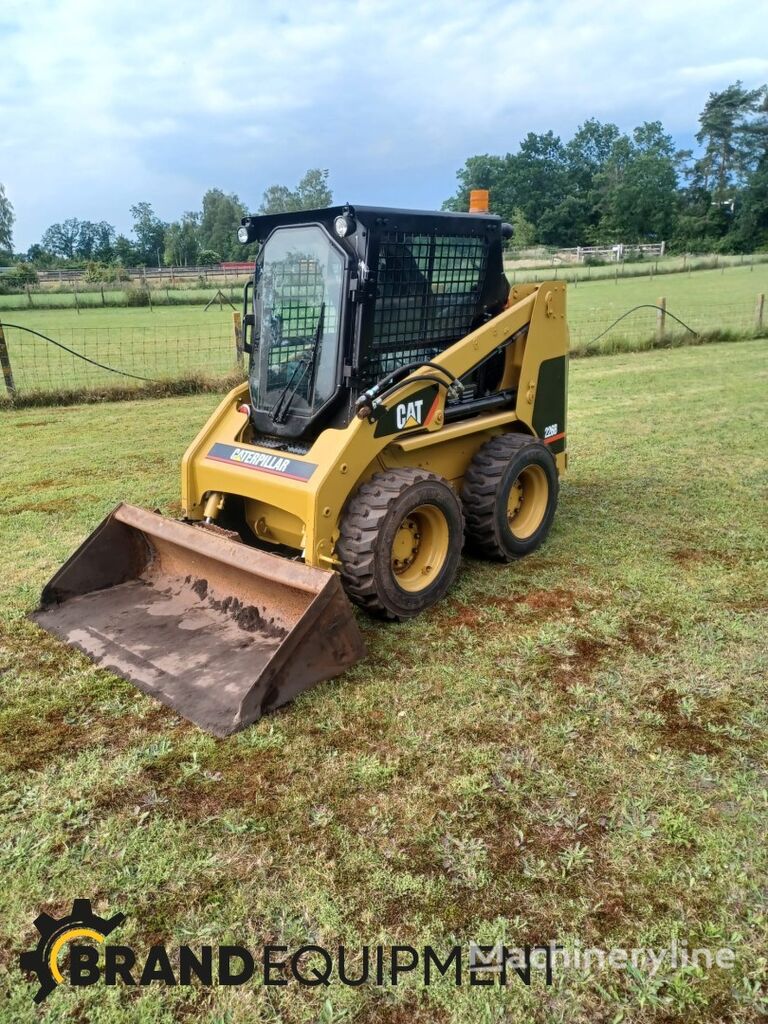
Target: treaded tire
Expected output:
[488,483]
[369,526]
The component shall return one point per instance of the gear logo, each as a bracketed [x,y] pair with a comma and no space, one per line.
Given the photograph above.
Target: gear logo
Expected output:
[81,923]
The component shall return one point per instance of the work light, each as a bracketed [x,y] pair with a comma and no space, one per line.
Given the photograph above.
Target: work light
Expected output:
[243,235]
[344,225]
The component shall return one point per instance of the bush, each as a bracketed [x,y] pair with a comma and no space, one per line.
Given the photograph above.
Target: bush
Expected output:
[137,295]
[105,273]
[19,277]
[99,272]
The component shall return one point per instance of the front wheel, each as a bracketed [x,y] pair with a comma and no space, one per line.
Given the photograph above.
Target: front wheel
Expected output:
[400,543]
[510,496]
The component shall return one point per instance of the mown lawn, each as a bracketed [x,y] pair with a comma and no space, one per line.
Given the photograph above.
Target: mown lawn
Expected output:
[571,748]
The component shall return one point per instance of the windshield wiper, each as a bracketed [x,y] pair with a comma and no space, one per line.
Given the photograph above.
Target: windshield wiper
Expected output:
[306,364]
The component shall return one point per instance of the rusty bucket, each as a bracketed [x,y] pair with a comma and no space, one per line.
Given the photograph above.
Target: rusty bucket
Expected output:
[219,631]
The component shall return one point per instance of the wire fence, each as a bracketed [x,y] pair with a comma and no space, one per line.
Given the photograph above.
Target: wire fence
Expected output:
[78,358]
[65,359]
[119,295]
[615,326]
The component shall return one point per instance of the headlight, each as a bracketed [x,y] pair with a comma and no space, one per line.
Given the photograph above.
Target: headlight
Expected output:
[344,225]
[243,235]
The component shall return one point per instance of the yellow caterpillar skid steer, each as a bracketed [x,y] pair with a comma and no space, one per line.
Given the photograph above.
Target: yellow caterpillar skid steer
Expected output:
[402,403]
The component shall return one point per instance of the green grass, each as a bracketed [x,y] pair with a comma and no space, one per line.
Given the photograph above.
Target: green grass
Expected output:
[51,320]
[180,341]
[114,298]
[167,343]
[570,747]
[524,269]
[708,301]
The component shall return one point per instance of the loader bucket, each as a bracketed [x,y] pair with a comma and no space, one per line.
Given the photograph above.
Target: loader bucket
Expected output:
[219,631]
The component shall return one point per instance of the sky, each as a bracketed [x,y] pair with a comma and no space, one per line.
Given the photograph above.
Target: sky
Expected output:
[105,103]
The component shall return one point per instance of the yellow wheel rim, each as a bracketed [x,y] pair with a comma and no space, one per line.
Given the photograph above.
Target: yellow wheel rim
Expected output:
[420,548]
[527,502]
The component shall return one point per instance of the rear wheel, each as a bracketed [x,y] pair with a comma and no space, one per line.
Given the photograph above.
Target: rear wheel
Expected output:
[510,496]
[400,542]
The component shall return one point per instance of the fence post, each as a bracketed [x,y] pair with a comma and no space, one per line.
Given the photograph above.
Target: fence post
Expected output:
[5,362]
[759,308]
[29,296]
[74,292]
[237,327]
[661,319]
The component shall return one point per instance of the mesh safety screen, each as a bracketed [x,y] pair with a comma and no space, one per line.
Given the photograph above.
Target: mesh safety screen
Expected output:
[427,295]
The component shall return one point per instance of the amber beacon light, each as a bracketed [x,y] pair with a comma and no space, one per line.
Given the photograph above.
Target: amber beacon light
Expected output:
[478,200]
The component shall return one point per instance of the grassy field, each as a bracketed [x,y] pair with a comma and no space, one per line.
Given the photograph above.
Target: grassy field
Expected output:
[735,286]
[570,748]
[115,298]
[169,342]
[53,295]
[647,267]
[178,341]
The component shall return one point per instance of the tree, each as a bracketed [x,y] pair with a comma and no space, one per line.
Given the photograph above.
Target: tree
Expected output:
[733,128]
[312,193]
[751,227]
[219,222]
[124,251]
[731,138]
[7,218]
[538,173]
[638,187]
[80,240]
[182,241]
[150,234]
[524,232]
[532,180]
[38,255]
[62,239]
[575,218]
[95,241]
[485,171]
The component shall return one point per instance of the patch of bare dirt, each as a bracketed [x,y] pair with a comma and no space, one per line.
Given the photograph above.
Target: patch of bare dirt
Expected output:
[29,743]
[544,601]
[686,556]
[680,733]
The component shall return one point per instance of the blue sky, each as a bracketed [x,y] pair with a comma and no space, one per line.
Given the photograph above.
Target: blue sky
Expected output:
[103,104]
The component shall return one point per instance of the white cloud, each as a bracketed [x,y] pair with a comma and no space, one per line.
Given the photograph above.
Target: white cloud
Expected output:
[104,104]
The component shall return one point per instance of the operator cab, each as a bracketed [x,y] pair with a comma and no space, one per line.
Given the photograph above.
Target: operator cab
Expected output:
[345,295]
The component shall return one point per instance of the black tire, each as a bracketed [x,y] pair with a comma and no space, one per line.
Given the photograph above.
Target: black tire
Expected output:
[404,512]
[507,462]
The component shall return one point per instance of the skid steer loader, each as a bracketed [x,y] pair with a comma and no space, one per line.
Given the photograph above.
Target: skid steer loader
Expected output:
[401,400]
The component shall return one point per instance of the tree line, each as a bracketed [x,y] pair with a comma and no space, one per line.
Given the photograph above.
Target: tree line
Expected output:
[605,186]
[198,237]
[600,186]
